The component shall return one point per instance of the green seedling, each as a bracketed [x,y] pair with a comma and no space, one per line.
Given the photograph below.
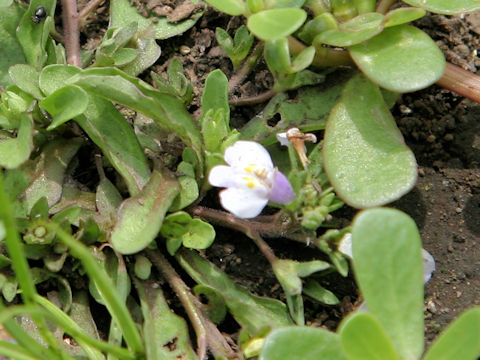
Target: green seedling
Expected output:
[237,48]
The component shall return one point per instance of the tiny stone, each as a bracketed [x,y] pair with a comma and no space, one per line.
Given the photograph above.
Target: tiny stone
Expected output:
[184,50]
[421,172]
[458,210]
[448,137]
[431,138]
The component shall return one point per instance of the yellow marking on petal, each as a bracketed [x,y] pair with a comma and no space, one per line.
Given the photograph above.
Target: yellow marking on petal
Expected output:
[250,182]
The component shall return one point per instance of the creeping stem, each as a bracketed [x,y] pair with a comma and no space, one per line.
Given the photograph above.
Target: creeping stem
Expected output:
[461,81]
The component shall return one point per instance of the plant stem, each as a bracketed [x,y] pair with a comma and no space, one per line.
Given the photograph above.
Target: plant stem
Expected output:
[461,81]
[252,100]
[87,9]
[385,5]
[247,66]
[71,32]
[207,332]
[272,226]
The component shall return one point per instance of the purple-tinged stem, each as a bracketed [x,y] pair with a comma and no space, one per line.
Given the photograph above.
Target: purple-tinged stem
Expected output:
[461,81]
[71,32]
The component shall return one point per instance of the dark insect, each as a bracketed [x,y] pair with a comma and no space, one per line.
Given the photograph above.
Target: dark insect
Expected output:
[39,15]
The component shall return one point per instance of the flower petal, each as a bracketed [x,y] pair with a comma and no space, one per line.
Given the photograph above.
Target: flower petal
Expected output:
[222,176]
[242,203]
[244,153]
[282,191]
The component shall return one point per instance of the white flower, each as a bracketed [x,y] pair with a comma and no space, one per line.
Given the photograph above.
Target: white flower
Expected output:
[250,180]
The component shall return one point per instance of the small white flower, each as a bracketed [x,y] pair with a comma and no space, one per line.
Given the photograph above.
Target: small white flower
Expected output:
[250,179]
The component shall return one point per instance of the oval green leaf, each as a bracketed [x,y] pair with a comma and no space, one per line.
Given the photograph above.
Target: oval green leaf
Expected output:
[365,156]
[402,59]
[387,260]
[447,7]
[65,104]
[140,217]
[355,31]
[277,56]
[276,23]
[301,342]
[15,151]
[363,338]
[461,340]
[230,7]
[26,78]
[402,16]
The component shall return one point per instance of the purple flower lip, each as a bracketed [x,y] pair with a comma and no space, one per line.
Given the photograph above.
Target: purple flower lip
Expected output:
[282,191]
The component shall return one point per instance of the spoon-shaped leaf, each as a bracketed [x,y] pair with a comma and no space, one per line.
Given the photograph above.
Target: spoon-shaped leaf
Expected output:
[447,7]
[140,217]
[15,151]
[276,23]
[402,16]
[301,342]
[365,157]
[65,104]
[353,32]
[401,58]
[230,7]
[387,260]
[363,338]
[461,340]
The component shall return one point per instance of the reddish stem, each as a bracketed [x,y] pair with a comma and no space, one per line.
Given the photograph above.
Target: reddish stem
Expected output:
[71,32]
[461,81]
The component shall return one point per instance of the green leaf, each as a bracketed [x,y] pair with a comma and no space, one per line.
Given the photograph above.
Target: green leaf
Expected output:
[164,332]
[254,313]
[54,77]
[277,56]
[15,151]
[402,59]
[123,13]
[304,59]
[276,23]
[50,171]
[230,7]
[302,343]
[107,200]
[33,37]
[365,6]
[365,157]
[447,7]
[26,78]
[215,307]
[12,52]
[313,289]
[319,24]
[65,104]
[167,110]
[352,32]
[109,130]
[363,338]
[200,235]
[179,228]
[402,16]
[140,217]
[461,339]
[387,260]
[143,267]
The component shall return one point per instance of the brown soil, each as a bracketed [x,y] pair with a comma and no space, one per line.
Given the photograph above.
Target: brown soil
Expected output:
[442,129]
